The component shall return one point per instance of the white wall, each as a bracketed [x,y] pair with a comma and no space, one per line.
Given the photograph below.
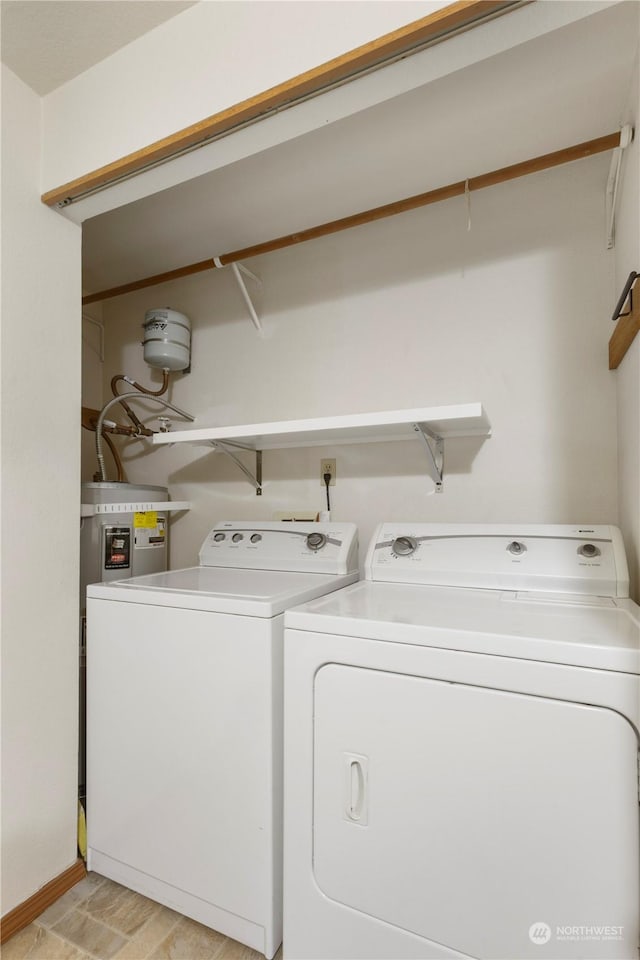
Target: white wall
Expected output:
[40,477]
[627,376]
[411,311]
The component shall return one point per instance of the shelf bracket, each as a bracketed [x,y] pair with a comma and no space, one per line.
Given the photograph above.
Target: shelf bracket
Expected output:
[611,196]
[238,270]
[434,446]
[255,481]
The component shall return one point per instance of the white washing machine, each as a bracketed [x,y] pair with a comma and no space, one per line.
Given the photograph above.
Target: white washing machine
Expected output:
[461,750]
[184,742]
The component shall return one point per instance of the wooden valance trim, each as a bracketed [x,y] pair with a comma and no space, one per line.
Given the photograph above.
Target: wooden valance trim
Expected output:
[567,155]
[627,327]
[436,27]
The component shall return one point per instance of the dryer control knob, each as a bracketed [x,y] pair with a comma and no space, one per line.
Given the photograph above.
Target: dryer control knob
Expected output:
[516,548]
[219,536]
[316,541]
[404,546]
[588,550]
[237,537]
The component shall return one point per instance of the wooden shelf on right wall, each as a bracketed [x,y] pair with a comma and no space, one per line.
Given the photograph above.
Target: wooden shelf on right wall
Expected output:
[627,314]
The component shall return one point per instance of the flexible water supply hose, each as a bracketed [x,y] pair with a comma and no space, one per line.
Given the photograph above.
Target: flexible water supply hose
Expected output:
[138,386]
[119,399]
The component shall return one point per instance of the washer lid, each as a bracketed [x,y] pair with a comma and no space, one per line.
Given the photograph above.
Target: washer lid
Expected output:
[574,631]
[255,593]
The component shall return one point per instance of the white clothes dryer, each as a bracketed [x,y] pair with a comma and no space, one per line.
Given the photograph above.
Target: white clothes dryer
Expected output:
[184,673]
[461,750]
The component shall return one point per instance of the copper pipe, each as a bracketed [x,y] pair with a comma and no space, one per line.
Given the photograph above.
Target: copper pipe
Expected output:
[137,424]
[90,420]
[131,432]
[139,386]
[116,457]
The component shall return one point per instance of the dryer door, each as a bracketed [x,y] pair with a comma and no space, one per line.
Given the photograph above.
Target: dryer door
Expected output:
[497,824]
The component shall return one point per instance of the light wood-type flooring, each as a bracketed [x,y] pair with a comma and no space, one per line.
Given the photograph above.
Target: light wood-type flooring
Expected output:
[100,920]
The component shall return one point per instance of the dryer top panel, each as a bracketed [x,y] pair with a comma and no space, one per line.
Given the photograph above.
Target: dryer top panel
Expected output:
[586,559]
[496,622]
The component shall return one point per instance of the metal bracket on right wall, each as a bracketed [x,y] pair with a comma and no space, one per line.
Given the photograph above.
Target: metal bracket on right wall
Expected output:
[255,481]
[434,446]
[611,193]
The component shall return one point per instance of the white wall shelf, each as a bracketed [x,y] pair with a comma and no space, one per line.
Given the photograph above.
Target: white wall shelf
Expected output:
[91,509]
[432,425]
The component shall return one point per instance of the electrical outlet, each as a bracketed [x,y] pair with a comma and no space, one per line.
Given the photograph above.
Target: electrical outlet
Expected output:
[328,466]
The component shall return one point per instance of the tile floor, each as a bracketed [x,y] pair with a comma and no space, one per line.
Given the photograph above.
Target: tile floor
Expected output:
[100,920]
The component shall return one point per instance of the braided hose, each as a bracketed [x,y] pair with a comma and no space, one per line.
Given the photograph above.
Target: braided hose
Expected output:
[119,399]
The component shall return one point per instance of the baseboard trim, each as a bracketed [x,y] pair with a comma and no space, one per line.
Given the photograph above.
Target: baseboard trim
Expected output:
[22,915]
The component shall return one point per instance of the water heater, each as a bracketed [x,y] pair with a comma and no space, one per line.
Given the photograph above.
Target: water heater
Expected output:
[121,539]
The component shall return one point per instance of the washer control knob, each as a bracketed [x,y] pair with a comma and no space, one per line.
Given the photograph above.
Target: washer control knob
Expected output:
[404,546]
[588,550]
[316,541]
[256,537]
[237,537]
[219,536]
[516,548]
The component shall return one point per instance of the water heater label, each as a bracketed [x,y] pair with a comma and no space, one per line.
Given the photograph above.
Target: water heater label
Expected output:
[147,518]
[117,548]
[147,535]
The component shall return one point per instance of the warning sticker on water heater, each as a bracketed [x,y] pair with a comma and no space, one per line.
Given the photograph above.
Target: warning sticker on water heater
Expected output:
[148,534]
[148,518]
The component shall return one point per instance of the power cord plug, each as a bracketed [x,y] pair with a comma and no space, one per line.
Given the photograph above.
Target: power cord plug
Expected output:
[327,480]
